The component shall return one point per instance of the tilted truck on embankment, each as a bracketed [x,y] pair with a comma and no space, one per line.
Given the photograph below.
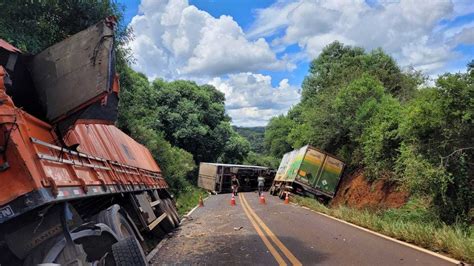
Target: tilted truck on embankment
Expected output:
[309,172]
[216,177]
[74,189]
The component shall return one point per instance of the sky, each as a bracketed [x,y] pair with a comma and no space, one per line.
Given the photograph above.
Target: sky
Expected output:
[258,52]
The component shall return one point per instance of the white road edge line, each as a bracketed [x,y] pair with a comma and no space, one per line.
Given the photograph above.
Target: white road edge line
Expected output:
[193,209]
[457,262]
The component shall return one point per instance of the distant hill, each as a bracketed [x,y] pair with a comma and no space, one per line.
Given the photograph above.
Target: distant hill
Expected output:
[255,135]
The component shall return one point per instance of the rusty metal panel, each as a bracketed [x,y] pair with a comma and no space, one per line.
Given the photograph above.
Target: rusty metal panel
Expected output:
[8,47]
[109,142]
[75,72]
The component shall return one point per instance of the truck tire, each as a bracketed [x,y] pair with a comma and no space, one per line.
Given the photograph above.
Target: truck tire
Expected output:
[169,211]
[272,190]
[128,252]
[168,224]
[172,208]
[116,221]
[281,195]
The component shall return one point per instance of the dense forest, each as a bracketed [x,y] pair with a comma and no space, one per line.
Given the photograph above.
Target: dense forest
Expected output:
[356,104]
[255,136]
[362,107]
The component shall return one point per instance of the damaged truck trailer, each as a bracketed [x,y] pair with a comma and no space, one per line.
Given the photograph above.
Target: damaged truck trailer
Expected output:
[309,172]
[74,189]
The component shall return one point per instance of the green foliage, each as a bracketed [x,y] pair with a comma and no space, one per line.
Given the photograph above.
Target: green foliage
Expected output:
[379,140]
[235,150]
[255,135]
[363,108]
[34,25]
[438,133]
[276,136]
[193,118]
[188,198]
[338,65]
[137,113]
[262,160]
[180,122]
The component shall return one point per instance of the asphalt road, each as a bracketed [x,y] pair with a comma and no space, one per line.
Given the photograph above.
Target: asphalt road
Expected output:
[254,234]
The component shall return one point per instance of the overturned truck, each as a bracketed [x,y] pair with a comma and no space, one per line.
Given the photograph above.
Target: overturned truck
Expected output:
[216,177]
[309,172]
[74,189]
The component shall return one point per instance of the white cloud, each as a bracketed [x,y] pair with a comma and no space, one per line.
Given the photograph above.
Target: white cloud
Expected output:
[252,100]
[466,36]
[174,39]
[407,29]
[252,116]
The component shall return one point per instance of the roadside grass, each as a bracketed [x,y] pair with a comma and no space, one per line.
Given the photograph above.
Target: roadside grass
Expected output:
[413,223]
[189,198]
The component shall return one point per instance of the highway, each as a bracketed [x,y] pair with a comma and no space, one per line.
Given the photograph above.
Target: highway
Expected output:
[274,233]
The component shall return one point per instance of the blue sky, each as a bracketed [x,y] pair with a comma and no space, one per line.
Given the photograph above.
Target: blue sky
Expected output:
[258,52]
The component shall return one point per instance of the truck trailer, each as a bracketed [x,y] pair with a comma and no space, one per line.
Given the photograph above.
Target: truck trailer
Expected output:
[74,189]
[309,172]
[216,177]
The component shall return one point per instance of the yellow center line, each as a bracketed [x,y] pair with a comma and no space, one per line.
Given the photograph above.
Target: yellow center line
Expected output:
[272,236]
[267,243]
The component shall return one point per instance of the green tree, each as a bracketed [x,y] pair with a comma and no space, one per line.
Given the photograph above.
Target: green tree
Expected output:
[192,117]
[236,149]
[276,136]
[262,160]
[380,140]
[255,135]
[35,25]
[137,117]
[363,108]
[438,135]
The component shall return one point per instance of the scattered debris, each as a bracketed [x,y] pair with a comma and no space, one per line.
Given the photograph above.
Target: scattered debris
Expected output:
[238,228]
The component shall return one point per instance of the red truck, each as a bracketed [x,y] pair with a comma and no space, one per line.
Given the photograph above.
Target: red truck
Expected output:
[74,189]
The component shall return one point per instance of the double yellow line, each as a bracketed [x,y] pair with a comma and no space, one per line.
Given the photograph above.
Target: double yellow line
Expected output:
[259,225]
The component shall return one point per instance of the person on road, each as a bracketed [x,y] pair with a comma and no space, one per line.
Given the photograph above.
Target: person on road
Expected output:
[235,184]
[261,184]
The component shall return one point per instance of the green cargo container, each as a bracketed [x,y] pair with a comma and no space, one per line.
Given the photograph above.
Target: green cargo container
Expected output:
[309,170]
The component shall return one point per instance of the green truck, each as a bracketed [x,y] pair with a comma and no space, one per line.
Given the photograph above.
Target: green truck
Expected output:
[309,172]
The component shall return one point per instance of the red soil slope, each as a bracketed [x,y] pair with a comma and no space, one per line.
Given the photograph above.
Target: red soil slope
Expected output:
[356,191]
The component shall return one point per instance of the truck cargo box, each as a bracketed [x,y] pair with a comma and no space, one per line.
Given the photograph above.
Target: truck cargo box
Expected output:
[310,169]
[216,177]
[109,142]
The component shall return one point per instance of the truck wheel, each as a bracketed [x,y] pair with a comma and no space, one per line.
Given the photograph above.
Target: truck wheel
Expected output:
[128,252]
[281,195]
[172,208]
[168,224]
[272,190]
[170,212]
[116,221]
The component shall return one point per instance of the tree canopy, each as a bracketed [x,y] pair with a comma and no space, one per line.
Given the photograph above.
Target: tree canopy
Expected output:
[35,25]
[362,107]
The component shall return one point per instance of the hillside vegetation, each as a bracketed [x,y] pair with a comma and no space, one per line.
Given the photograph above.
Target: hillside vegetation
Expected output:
[255,136]
[362,107]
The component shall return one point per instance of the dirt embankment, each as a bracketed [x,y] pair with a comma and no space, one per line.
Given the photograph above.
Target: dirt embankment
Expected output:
[357,192]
